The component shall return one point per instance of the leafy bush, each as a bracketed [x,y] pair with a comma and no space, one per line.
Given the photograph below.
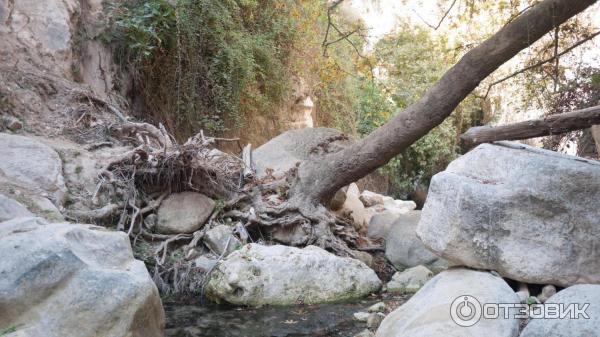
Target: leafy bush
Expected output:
[202,64]
[411,61]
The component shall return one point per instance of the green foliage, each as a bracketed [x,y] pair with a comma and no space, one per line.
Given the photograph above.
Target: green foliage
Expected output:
[219,207]
[412,61]
[144,29]
[580,92]
[143,251]
[212,64]
[204,64]
[9,330]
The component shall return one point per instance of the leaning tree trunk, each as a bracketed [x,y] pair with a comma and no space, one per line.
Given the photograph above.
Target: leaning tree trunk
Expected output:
[318,181]
[551,125]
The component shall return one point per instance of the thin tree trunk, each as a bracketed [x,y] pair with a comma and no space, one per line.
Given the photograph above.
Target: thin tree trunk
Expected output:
[318,181]
[551,125]
[596,136]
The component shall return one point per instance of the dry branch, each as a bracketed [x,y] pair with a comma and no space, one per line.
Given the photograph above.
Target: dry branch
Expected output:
[555,57]
[439,24]
[95,214]
[551,125]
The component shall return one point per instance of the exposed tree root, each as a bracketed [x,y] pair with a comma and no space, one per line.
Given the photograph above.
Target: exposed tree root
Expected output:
[260,210]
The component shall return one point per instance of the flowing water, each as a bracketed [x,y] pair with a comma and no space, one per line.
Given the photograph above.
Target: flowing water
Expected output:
[333,320]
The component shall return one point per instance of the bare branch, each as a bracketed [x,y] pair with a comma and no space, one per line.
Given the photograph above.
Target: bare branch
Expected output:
[329,21]
[439,24]
[551,125]
[533,66]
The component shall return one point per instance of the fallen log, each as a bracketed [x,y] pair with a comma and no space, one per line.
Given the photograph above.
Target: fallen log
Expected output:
[551,125]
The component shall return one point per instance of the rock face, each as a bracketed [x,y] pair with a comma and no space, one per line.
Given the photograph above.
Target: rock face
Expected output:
[532,215]
[74,280]
[10,209]
[570,327]
[410,280]
[279,275]
[42,26]
[402,246]
[427,313]
[31,167]
[184,212]
[283,152]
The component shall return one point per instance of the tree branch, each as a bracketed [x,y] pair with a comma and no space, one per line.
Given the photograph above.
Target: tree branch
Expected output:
[441,20]
[329,22]
[540,63]
[317,181]
[551,125]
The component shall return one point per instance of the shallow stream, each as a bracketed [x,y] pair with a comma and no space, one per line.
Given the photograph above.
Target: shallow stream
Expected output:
[333,320]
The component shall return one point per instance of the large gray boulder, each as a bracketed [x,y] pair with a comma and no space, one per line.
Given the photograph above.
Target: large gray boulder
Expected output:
[532,215]
[31,167]
[427,313]
[10,208]
[280,275]
[74,280]
[283,152]
[402,246]
[184,212]
[568,326]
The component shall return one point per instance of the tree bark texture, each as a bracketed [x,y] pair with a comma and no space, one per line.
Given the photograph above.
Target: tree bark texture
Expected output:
[551,125]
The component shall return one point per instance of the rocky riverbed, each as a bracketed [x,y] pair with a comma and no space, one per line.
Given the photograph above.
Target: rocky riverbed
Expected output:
[334,319]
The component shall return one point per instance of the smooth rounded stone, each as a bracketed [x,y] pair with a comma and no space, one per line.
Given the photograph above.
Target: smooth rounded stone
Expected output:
[150,221]
[354,207]
[377,307]
[205,263]
[399,206]
[578,295]
[523,296]
[410,280]
[369,198]
[547,292]
[221,240]
[182,213]
[32,166]
[374,320]
[361,316]
[365,333]
[11,123]
[10,208]
[338,199]
[427,313]
[364,257]
[280,275]
[291,235]
[402,247]
[74,280]
[380,224]
[292,147]
[529,214]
